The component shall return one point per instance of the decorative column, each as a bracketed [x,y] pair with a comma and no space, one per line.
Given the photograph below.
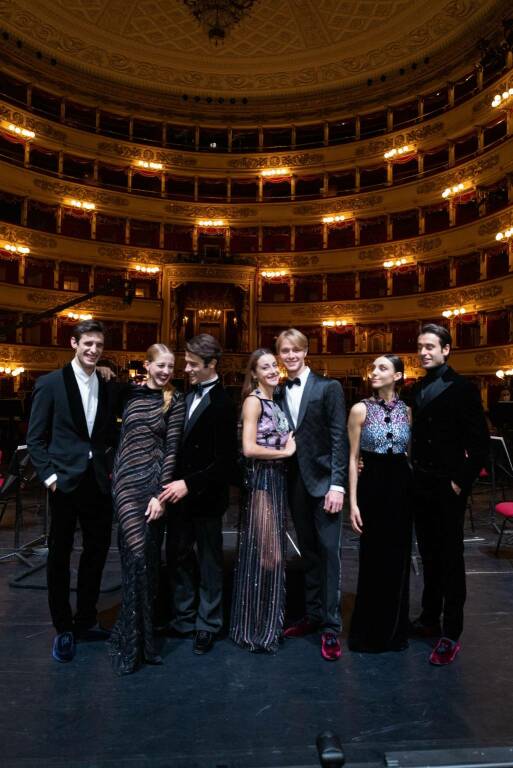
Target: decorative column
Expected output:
[260,196]
[453,330]
[162,234]
[292,291]
[483,259]
[130,128]
[93,225]
[452,154]
[229,190]
[124,335]
[259,282]
[325,185]
[164,134]
[260,138]
[97,120]
[450,95]
[91,278]
[483,330]
[356,232]
[96,166]
[390,119]
[62,110]
[420,106]
[324,340]
[19,331]
[422,221]
[26,155]
[390,282]
[509,122]
[479,78]
[293,137]
[421,278]
[357,179]
[54,330]
[196,137]
[196,187]
[292,237]
[252,316]
[29,95]
[22,262]
[390,228]
[59,219]
[390,174]
[326,129]
[127,231]
[357,127]
[260,238]
[129,173]
[325,287]
[325,232]
[195,238]
[56,266]
[420,163]
[227,240]
[292,187]
[452,272]
[60,163]
[480,138]
[510,255]
[162,184]
[230,139]
[24,212]
[452,213]
[357,285]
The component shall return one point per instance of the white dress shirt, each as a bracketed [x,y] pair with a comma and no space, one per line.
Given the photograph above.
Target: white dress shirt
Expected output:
[88,388]
[197,397]
[293,397]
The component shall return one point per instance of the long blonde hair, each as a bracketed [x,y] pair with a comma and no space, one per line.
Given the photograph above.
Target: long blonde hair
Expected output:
[151,354]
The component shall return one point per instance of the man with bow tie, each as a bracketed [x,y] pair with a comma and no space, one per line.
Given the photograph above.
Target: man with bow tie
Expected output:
[198,499]
[315,408]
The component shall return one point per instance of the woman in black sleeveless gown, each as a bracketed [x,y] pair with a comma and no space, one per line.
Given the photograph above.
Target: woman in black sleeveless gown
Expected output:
[145,460]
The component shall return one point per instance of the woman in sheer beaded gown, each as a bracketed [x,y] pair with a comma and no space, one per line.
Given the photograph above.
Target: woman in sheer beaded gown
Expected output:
[380,511]
[259,588]
[151,431]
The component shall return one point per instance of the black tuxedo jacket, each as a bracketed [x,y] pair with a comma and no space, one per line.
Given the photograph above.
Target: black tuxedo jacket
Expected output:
[321,435]
[449,433]
[57,439]
[207,455]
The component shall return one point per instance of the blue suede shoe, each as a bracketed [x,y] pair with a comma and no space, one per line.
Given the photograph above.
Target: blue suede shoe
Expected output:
[63,649]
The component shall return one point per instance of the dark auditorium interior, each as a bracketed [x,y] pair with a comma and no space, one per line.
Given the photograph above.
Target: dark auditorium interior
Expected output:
[238,167]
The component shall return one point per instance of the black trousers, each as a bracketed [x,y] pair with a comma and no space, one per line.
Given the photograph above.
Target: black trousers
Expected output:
[92,509]
[439,518]
[196,580]
[319,537]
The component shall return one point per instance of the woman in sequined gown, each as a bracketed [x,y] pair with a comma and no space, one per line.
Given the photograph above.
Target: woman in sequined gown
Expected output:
[380,510]
[259,589]
[145,460]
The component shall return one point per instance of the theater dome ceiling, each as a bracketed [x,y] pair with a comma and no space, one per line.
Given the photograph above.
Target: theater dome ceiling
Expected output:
[278,47]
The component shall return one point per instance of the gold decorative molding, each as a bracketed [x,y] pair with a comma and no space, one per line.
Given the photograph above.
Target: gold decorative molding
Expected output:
[377,146]
[461,296]
[463,172]
[141,255]
[210,273]
[26,236]
[276,161]
[356,307]
[91,194]
[40,127]
[395,250]
[142,153]
[210,211]
[494,358]
[267,260]
[339,204]
[496,223]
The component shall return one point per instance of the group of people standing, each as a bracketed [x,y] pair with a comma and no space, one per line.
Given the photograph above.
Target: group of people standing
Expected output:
[177,456]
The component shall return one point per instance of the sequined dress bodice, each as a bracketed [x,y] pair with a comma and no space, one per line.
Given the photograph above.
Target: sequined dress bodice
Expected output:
[386,428]
[272,426]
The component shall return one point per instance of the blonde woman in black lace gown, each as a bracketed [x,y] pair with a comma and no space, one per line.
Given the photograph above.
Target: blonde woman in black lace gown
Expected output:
[145,461]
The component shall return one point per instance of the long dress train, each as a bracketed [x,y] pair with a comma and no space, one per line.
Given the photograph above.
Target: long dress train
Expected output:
[144,462]
[259,588]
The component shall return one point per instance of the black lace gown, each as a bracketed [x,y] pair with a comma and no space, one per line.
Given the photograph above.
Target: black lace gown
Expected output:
[145,461]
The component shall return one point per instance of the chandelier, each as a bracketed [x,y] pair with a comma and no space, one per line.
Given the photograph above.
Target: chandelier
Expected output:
[218,15]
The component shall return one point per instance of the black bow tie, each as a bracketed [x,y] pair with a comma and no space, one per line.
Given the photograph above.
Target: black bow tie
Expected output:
[290,382]
[198,389]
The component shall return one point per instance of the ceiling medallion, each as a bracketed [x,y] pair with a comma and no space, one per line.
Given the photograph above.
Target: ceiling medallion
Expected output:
[218,15]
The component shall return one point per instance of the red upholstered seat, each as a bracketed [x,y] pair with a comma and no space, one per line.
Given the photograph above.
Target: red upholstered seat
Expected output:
[484,473]
[505,508]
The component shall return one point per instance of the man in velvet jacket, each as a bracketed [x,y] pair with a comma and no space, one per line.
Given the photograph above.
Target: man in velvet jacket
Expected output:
[69,441]
[450,445]
[200,496]
[317,475]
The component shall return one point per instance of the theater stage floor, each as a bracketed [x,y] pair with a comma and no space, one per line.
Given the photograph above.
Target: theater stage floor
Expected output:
[231,708]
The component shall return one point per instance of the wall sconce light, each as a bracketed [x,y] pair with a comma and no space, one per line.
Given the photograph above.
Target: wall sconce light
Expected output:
[79,316]
[270,172]
[397,262]
[333,219]
[147,270]
[453,191]
[10,370]
[399,151]
[149,165]
[454,312]
[81,204]
[270,274]
[500,98]
[504,235]
[16,248]
[335,323]
[209,313]
[503,374]
[211,223]
[17,130]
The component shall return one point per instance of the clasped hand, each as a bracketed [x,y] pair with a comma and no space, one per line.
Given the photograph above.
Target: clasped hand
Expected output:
[333,502]
[154,510]
[173,492]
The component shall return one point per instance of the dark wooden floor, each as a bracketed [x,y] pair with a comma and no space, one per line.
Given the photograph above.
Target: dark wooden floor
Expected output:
[231,708]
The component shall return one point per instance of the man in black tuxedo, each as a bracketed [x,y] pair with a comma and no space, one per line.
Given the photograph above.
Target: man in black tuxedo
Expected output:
[450,445]
[315,408]
[69,442]
[200,496]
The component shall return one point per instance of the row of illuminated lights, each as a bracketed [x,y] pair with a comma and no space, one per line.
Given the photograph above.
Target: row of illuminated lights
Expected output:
[10,370]
[24,249]
[501,98]
[447,313]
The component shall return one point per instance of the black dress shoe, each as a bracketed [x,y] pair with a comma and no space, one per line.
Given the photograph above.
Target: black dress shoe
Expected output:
[63,648]
[91,634]
[204,642]
[418,628]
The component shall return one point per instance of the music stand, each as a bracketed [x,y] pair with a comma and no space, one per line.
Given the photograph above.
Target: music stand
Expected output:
[19,474]
[501,468]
